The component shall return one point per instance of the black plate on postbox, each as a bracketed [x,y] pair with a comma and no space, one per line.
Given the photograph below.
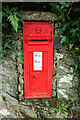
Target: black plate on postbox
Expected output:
[57,42]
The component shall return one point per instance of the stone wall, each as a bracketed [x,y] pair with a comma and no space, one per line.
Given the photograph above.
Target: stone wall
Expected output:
[13,85]
[63,76]
[12,78]
[8,74]
[20,68]
[38,16]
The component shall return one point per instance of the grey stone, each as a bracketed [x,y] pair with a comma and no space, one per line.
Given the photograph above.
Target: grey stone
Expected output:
[54,93]
[61,93]
[21,79]
[69,61]
[59,56]
[17,109]
[65,79]
[9,77]
[1,102]
[19,58]
[20,70]
[47,103]
[54,84]
[35,15]
[75,81]
[13,56]
[62,67]
[9,99]
[19,45]
[26,111]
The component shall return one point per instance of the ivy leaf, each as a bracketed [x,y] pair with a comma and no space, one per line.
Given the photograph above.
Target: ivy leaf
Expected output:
[66,106]
[66,113]
[72,108]
[77,49]
[70,46]
[4,14]
[44,6]
[7,46]
[64,39]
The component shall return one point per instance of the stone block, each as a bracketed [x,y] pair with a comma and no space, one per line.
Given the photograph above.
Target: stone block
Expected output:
[19,45]
[31,15]
[63,68]
[65,81]
[20,70]
[61,93]
[66,94]
[54,84]
[9,77]
[21,81]
[59,56]
[19,59]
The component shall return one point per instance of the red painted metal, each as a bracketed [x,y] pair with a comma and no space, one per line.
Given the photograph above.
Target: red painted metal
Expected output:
[38,59]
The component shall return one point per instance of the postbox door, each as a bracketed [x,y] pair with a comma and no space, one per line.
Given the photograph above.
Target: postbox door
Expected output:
[38,59]
[38,73]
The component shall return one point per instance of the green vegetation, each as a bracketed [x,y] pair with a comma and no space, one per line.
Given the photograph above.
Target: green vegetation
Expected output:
[62,108]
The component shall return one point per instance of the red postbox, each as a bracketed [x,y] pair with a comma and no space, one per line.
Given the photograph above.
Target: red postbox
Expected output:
[38,59]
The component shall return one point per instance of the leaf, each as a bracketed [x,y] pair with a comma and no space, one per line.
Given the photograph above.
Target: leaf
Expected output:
[72,108]
[62,104]
[74,22]
[72,30]
[4,14]
[37,102]
[44,6]
[29,103]
[25,100]
[20,98]
[14,20]
[70,46]
[1,62]
[66,113]
[77,49]
[58,112]
[13,41]
[65,106]
[64,39]
[7,46]
[21,21]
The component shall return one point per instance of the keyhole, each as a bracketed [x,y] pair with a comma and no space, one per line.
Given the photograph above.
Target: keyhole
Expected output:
[33,76]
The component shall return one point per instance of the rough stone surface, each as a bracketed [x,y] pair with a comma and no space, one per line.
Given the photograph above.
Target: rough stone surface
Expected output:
[35,15]
[63,80]
[20,69]
[9,75]
[12,109]
[64,77]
